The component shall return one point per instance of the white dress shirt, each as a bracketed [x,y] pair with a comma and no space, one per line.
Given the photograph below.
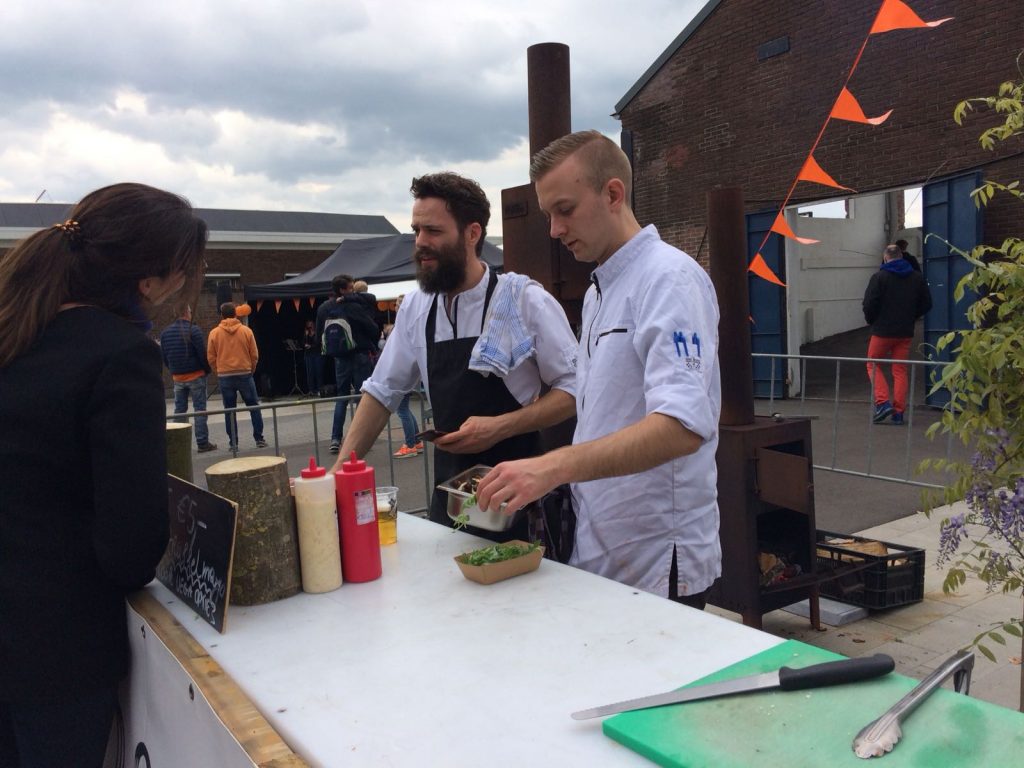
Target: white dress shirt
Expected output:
[649,344]
[403,362]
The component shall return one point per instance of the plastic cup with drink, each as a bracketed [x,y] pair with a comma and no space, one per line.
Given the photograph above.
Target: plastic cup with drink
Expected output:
[387,514]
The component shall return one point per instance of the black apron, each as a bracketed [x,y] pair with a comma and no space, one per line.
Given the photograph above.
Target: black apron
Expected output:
[456,393]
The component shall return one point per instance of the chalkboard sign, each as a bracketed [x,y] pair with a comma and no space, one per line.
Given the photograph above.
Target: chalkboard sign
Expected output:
[197,564]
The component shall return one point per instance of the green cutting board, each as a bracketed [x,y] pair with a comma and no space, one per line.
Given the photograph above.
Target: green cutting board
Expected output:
[815,728]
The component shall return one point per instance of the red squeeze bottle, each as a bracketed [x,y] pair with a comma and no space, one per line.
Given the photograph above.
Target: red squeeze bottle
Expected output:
[355,488]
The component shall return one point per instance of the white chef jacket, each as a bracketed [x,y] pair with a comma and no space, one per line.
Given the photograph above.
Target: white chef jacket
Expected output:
[403,362]
[649,344]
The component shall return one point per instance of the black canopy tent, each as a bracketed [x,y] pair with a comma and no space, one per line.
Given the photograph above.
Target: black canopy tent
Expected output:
[373,259]
[280,310]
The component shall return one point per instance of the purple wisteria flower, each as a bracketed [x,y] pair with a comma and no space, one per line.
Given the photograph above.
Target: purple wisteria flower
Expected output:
[951,533]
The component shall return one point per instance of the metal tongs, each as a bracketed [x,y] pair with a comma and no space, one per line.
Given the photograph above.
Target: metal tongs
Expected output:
[880,736]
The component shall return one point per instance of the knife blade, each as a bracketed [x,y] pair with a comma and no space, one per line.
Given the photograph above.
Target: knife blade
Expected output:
[784,678]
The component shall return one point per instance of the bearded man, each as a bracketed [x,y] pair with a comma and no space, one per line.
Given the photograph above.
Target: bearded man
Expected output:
[495,353]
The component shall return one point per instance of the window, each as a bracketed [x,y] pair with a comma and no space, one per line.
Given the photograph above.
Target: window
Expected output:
[214,278]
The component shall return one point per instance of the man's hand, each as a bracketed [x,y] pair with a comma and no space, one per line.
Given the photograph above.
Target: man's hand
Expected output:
[517,482]
[477,434]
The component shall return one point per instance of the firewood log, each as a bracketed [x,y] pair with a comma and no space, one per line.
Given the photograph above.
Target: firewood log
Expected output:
[266,561]
[179,450]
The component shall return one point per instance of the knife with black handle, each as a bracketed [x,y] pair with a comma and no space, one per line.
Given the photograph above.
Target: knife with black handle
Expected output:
[785,678]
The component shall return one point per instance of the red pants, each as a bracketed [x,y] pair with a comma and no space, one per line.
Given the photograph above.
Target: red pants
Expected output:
[881,347]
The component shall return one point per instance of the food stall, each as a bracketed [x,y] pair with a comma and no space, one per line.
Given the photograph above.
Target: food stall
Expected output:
[423,667]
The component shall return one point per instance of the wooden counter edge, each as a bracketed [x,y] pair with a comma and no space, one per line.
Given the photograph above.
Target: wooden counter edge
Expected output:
[261,742]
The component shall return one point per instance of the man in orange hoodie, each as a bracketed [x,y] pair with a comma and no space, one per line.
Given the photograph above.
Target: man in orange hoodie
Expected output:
[232,353]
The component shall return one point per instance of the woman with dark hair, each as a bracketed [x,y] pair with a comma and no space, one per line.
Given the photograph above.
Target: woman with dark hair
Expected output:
[83,485]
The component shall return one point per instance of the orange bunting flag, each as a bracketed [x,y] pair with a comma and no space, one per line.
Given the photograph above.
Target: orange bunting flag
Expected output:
[895,14]
[760,268]
[295,303]
[277,305]
[312,301]
[781,227]
[814,172]
[847,108]
[258,305]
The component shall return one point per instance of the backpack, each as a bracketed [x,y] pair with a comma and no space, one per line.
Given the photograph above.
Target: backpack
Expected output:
[338,339]
[349,328]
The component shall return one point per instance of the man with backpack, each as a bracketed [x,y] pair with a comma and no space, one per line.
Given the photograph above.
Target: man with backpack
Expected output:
[349,334]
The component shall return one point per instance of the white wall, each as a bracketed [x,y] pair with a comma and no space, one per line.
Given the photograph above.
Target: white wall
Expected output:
[826,280]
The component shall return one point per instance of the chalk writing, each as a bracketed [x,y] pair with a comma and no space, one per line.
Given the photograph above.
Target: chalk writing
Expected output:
[197,563]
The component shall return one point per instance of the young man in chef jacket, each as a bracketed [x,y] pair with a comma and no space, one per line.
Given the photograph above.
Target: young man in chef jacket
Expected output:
[648,397]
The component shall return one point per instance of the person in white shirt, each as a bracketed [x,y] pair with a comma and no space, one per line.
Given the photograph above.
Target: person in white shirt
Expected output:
[490,414]
[642,463]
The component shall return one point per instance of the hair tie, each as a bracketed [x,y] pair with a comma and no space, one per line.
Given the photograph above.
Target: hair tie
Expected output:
[72,230]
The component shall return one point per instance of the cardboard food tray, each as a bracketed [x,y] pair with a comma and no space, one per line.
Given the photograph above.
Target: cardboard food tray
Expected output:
[815,728]
[489,573]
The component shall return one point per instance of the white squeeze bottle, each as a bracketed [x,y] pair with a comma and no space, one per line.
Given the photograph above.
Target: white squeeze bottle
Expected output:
[317,516]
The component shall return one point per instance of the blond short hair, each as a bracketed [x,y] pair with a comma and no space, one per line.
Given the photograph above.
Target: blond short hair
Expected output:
[360,286]
[600,156]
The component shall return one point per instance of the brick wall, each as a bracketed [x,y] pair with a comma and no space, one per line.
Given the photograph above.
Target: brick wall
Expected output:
[254,266]
[715,115]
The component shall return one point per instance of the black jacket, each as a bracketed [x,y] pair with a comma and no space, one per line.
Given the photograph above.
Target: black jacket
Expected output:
[365,330]
[896,296]
[83,501]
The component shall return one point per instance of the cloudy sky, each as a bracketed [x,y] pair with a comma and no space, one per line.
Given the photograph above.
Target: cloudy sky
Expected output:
[320,105]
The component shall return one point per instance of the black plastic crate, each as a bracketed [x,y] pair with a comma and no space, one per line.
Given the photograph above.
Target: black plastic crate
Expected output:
[870,580]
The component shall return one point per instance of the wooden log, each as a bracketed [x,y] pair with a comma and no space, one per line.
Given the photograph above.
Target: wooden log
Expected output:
[266,561]
[179,450]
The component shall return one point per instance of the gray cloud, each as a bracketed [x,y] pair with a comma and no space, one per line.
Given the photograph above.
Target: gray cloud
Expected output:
[324,89]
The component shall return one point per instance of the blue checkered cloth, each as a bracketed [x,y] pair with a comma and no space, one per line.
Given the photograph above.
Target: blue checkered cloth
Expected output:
[505,342]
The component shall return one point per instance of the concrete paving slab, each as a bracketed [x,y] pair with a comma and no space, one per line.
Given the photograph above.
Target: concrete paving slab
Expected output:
[949,633]
[831,612]
[913,660]
[916,616]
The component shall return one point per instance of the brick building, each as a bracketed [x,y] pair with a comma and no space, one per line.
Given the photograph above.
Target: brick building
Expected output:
[740,95]
[244,247]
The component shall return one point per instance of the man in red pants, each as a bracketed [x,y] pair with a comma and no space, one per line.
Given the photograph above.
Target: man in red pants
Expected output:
[895,297]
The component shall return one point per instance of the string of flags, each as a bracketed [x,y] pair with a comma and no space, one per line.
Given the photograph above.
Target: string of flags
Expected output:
[892,15]
[297,303]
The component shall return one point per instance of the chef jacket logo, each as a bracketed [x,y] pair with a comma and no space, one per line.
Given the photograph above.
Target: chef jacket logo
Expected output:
[684,346]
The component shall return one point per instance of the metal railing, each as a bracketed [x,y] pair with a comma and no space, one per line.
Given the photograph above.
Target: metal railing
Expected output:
[313,406]
[844,440]
[842,408]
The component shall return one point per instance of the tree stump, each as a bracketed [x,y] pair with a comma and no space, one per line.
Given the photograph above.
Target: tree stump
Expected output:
[266,562]
[179,450]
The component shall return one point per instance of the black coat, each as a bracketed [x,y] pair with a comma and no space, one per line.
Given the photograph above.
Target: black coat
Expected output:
[83,501]
[894,300]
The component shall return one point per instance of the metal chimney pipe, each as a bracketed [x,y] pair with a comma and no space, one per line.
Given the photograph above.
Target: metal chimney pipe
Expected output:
[550,111]
[727,254]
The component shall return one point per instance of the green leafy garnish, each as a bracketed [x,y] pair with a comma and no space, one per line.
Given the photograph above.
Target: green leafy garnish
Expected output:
[462,519]
[496,553]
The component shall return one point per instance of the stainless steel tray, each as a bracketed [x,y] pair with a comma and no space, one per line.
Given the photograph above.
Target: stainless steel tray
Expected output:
[493,520]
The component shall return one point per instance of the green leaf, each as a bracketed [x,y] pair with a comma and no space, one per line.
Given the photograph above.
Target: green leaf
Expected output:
[997,637]
[987,653]
[1012,629]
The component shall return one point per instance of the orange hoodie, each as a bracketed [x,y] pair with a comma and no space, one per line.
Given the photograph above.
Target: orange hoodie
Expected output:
[231,349]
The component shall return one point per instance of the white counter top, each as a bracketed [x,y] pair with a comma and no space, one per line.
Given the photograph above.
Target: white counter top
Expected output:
[425,668]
